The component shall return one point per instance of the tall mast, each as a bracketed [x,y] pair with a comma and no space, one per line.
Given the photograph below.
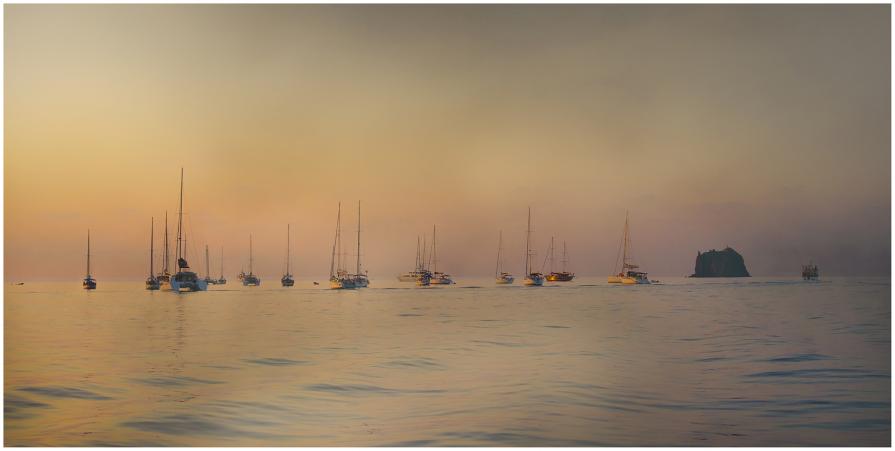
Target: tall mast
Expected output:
[151,245]
[167,257]
[625,247]
[222,262]
[499,248]
[357,270]
[434,255]
[528,244]
[424,259]
[88,252]
[551,254]
[332,259]
[207,267]
[250,254]
[180,223]
[287,249]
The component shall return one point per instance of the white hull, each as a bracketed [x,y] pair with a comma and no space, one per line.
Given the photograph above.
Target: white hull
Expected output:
[361,282]
[501,281]
[441,281]
[634,281]
[198,285]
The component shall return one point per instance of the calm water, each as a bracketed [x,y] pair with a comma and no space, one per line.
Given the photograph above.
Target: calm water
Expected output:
[691,362]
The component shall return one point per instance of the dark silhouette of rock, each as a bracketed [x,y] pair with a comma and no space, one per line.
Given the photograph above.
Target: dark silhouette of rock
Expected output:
[725,263]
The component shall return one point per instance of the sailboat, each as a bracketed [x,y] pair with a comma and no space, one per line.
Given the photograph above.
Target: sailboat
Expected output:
[627,275]
[152,282]
[501,277]
[419,274]
[532,279]
[339,279]
[360,279]
[208,279]
[184,279]
[222,280]
[562,276]
[164,277]
[287,279]
[438,278]
[89,282]
[250,279]
[809,271]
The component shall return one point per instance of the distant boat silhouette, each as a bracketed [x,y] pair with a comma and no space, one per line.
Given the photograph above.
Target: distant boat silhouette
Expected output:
[89,282]
[152,283]
[184,279]
[532,279]
[339,279]
[250,279]
[501,277]
[627,275]
[287,280]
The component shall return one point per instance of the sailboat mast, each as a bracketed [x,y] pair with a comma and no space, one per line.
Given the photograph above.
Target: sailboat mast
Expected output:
[528,244]
[418,265]
[434,255]
[499,248]
[207,267]
[151,245]
[625,246]
[288,255]
[332,259]
[357,270]
[251,271]
[180,223]
[222,262]
[88,252]
[167,257]
[551,254]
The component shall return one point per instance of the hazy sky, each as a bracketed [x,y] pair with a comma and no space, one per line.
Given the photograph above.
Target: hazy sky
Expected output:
[761,127]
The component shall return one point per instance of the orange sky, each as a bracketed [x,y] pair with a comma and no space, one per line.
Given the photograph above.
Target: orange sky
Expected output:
[762,127]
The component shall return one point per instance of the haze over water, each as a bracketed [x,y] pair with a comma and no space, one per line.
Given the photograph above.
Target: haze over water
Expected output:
[691,362]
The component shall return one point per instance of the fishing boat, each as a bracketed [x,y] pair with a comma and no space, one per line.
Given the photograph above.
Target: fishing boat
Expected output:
[89,282]
[152,282]
[809,271]
[208,279]
[221,280]
[339,279]
[532,279]
[287,280]
[164,276]
[184,279]
[628,275]
[437,278]
[360,278]
[501,277]
[562,276]
[250,279]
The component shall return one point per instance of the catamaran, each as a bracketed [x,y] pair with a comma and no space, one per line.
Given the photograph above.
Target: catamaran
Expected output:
[437,278]
[532,279]
[360,279]
[562,276]
[628,274]
[501,277]
[184,279]
[89,282]
[164,277]
[152,282]
[250,279]
[339,279]
[222,280]
[287,279]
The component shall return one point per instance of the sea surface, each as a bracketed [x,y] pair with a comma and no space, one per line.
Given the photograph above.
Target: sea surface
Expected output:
[728,362]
